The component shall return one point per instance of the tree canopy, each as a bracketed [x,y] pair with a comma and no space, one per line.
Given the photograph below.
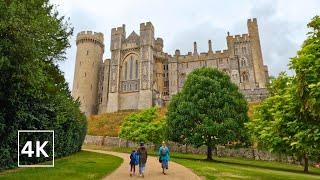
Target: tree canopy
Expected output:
[145,126]
[33,91]
[209,111]
[288,121]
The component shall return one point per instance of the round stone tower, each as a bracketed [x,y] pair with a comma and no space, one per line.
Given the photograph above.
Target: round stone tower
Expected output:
[90,50]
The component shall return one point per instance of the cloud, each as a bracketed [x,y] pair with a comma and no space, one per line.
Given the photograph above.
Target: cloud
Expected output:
[282,24]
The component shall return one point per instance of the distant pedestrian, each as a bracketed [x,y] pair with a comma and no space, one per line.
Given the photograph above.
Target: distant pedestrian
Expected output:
[143,155]
[164,157]
[134,160]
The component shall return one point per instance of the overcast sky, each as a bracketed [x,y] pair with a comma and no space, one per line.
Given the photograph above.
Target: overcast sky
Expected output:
[282,24]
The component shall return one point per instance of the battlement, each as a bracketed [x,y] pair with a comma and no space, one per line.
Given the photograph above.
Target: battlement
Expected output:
[238,37]
[253,20]
[95,37]
[159,41]
[90,34]
[202,56]
[146,26]
[118,30]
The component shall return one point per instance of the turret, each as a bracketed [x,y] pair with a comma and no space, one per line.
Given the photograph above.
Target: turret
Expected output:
[146,34]
[210,47]
[195,49]
[90,50]
[159,44]
[177,52]
[259,71]
[118,35]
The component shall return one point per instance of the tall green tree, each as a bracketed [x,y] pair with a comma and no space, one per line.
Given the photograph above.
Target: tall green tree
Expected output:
[209,111]
[288,121]
[33,91]
[145,126]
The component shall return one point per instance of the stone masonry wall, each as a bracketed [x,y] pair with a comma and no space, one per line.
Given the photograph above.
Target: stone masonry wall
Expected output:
[221,151]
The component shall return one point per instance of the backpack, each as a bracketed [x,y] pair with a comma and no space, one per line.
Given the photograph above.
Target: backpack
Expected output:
[136,158]
[163,151]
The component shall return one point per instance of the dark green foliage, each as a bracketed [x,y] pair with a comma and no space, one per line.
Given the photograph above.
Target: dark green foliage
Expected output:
[33,91]
[208,111]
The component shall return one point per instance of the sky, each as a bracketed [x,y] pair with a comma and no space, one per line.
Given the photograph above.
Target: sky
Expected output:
[282,24]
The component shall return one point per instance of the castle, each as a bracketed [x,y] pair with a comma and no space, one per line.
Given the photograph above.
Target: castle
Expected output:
[140,75]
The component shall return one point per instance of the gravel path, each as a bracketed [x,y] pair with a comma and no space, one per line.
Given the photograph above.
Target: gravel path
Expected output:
[153,169]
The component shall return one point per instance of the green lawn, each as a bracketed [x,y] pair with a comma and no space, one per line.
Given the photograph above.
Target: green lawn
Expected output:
[82,165]
[234,168]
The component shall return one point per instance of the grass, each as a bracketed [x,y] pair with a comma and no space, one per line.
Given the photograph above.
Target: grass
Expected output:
[108,124]
[233,168]
[82,165]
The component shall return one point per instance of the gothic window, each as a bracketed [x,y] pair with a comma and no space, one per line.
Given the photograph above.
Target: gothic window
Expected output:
[125,70]
[87,52]
[131,63]
[245,76]
[244,50]
[137,69]
[130,73]
[243,62]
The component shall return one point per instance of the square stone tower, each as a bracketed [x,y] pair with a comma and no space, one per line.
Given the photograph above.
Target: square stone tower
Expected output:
[131,69]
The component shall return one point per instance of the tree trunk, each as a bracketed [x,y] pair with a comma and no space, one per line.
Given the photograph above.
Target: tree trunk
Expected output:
[209,152]
[306,163]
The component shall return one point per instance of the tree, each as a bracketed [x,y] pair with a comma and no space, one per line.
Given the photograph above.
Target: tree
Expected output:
[209,111]
[33,91]
[288,121]
[144,126]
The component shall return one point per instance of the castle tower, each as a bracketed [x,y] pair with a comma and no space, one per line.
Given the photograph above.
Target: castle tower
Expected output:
[146,65]
[118,35]
[90,50]
[259,71]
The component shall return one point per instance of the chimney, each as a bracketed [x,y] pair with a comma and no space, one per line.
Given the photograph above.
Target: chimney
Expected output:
[210,47]
[195,51]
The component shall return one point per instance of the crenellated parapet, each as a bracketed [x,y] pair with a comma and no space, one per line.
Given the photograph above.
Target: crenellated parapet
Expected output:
[239,38]
[90,36]
[146,26]
[119,30]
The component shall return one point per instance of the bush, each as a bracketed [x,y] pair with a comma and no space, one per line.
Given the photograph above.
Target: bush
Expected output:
[33,91]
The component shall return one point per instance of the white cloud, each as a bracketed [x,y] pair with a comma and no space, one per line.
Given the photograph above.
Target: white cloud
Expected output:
[282,24]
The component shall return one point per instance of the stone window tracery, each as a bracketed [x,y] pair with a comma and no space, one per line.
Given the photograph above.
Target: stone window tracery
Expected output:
[245,76]
[129,80]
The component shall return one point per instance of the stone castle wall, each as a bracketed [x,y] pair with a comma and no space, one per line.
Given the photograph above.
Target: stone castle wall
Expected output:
[110,87]
[221,151]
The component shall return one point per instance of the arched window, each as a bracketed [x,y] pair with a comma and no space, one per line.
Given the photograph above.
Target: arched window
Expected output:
[243,62]
[245,76]
[125,70]
[131,64]
[130,73]
[137,69]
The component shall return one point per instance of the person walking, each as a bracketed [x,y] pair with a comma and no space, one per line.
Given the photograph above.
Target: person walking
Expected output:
[164,157]
[143,155]
[134,160]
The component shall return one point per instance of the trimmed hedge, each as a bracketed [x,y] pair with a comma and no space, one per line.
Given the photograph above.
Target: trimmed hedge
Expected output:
[33,91]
